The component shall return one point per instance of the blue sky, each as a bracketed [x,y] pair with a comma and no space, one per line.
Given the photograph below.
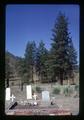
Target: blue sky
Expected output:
[35,22]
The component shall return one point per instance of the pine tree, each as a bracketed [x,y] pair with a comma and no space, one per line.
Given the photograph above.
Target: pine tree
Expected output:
[38,63]
[48,65]
[30,59]
[41,57]
[21,68]
[72,53]
[60,49]
[7,70]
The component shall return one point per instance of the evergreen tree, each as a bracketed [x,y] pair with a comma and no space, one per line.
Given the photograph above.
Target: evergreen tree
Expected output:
[21,68]
[38,63]
[41,57]
[72,53]
[30,59]
[50,67]
[7,70]
[60,49]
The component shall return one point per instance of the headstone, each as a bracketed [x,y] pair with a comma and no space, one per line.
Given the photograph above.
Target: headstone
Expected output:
[35,96]
[29,92]
[45,96]
[12,97]
[7,94]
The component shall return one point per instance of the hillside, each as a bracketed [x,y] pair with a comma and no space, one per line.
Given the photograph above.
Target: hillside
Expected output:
[11,67]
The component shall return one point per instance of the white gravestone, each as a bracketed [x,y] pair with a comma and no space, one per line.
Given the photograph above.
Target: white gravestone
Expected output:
[45,96]
[35,96]
[29,92]
[7,93]
[12,97]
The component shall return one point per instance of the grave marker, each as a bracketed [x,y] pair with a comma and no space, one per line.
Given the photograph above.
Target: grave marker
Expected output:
[7,94]
[35,96]
[45,96]
[29,92]
[12,97]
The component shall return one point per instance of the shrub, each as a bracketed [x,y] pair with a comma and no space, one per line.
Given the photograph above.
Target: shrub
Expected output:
[68,91]
[33,91]
[38,89]
[77,87]
[56,90]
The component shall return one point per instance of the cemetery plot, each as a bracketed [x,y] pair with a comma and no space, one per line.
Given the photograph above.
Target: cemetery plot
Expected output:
[35,105]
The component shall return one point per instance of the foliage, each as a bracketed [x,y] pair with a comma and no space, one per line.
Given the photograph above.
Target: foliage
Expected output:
[9,67]
[7,72]
[68,91]
[77,87]
[41,57]
[56,90]
[63,53]
[38,89]
[30,59]
[33,90]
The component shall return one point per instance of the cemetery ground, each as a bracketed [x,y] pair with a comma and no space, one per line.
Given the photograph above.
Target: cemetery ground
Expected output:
[64,103]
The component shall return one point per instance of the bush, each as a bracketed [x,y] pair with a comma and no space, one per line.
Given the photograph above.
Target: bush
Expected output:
[77,87]
[38,89]
[56,90]
[33,91]
[68,91]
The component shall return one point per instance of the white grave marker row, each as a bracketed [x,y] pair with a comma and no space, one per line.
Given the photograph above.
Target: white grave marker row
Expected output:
[45,94]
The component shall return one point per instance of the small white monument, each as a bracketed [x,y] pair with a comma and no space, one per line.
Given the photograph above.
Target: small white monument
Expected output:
[45,96]
[12,97]
[29,92]
[8,94]
[35,96]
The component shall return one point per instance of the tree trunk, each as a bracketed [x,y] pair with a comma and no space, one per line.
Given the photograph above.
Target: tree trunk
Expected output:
[72,80]
[19,84]
[7,82]
[61,78]
[32,75]
[61,81]
[22,86]
[39,76]
[68,81]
